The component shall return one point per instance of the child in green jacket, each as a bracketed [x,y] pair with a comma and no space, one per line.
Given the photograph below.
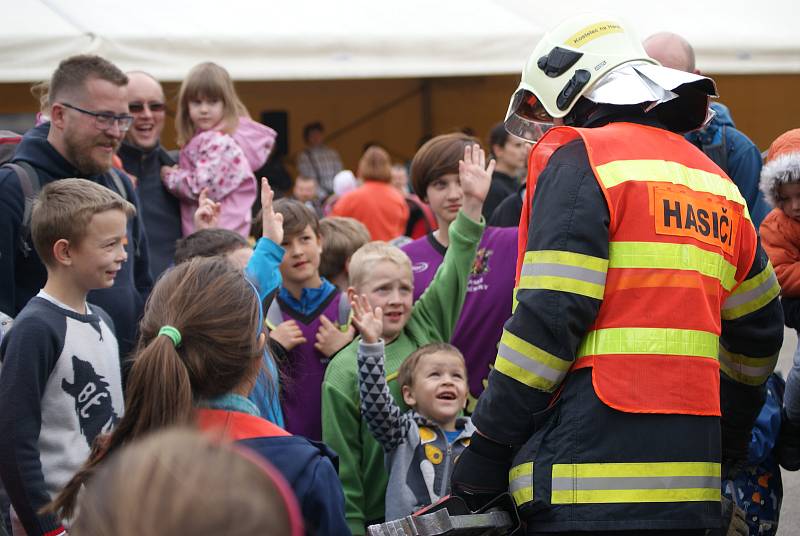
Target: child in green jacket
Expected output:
[383,274]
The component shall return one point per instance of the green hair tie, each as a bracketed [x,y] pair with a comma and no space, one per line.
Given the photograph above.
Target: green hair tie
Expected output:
[172,333]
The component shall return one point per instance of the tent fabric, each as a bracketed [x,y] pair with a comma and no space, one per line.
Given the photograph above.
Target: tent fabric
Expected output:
[350,39]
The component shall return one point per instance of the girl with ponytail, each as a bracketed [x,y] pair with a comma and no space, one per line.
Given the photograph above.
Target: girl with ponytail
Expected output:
[198,357]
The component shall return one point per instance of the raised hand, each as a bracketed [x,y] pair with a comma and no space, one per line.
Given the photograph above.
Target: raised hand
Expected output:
[288,334]
[369,321]
[207,214]
[331,339]
[475,177]
[271,222]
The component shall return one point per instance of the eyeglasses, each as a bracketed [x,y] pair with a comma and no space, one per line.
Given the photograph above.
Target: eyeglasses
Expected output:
[138,107]
[105,120]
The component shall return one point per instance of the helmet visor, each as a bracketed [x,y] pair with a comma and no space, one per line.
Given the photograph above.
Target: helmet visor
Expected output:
[526,117]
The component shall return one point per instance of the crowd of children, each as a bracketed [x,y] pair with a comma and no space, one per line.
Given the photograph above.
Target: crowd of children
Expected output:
[331,375]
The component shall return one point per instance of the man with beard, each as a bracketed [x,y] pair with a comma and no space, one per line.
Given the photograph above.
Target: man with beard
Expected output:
[142,155]
[88,109]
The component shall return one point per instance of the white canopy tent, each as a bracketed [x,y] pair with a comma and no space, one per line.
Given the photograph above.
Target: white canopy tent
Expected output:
[315,39]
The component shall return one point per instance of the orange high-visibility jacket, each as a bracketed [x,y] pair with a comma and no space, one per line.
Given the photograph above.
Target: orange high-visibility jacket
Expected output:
[680,243]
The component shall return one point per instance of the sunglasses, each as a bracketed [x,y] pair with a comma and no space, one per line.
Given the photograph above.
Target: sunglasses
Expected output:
[138,107]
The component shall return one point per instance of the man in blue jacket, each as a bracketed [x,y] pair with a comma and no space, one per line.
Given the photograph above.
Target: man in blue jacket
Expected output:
[720,140]
[88,108]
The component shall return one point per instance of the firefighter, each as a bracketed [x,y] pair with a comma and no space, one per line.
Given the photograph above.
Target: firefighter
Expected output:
[646,321]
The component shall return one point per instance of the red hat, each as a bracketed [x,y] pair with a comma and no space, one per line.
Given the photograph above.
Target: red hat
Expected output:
[782,165]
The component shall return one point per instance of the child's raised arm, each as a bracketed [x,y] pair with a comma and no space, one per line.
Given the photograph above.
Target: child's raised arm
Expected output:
[263,266]
[387,423]
[475,177]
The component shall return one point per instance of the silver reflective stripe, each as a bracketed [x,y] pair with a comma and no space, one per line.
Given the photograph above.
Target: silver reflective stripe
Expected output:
[734,300]
[520,483]
[531,365]
[641,482]
[753,372]
[561,270]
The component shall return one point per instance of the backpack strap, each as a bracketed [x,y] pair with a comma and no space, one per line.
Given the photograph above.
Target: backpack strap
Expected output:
[274,315]
[343,316]
[29,182]
[119,185]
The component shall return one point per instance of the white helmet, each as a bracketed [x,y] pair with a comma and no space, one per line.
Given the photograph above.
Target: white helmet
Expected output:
[567,63]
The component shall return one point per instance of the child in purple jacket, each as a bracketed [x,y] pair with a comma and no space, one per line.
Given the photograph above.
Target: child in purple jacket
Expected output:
[434,176]
[309,319]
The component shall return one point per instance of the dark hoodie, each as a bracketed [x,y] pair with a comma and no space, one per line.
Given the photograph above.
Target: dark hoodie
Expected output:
[22,277]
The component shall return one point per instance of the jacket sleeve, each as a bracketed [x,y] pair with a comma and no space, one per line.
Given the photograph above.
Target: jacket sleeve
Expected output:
[221,167]
[439,307]
[143,278]
[744,166]
[341,431]
[30,354]
[12,205]
[559,295]
[752,335]
[264,268]
[388,424]
[785,255]
[323,502]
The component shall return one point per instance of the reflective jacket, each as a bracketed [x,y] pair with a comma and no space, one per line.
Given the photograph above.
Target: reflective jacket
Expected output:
[638,256]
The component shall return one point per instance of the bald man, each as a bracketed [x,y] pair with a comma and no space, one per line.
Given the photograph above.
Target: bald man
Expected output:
[729,148]
[143,156]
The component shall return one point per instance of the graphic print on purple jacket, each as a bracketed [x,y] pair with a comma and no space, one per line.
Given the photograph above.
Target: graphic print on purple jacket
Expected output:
[489,295]
[304,367]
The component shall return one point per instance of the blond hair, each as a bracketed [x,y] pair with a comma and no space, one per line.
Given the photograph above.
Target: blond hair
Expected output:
[64,209]
[341,237]
[367,256]
[208,81]
[183,483]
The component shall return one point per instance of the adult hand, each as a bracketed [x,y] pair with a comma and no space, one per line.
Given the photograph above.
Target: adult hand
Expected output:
[369,321]
[331,339]
[287,334]
[271,222]
[207,214]
[475,177]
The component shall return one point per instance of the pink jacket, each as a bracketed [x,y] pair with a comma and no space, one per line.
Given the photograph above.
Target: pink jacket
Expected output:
[224,164]
[256,140]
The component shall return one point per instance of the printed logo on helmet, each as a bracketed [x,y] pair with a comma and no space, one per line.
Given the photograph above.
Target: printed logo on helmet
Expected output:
[590,33]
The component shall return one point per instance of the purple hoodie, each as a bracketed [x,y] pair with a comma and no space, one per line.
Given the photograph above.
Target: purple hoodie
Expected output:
[489,294]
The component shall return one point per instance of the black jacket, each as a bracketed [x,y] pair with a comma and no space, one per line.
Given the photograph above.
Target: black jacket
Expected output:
[160,209]
[22,276]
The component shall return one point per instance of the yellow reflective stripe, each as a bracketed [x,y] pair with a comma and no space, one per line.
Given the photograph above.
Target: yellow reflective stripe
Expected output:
[752,294]
[564,271]
[672,257]
[529,364]
[620,171]
[520,483]
[635,496]
[635,482]
[663,341]
[514,300]
[744,369]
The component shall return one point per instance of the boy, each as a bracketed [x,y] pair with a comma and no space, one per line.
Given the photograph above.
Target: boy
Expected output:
[421,445]
[306,319]
[389,285]
[341,237]
[60,384]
